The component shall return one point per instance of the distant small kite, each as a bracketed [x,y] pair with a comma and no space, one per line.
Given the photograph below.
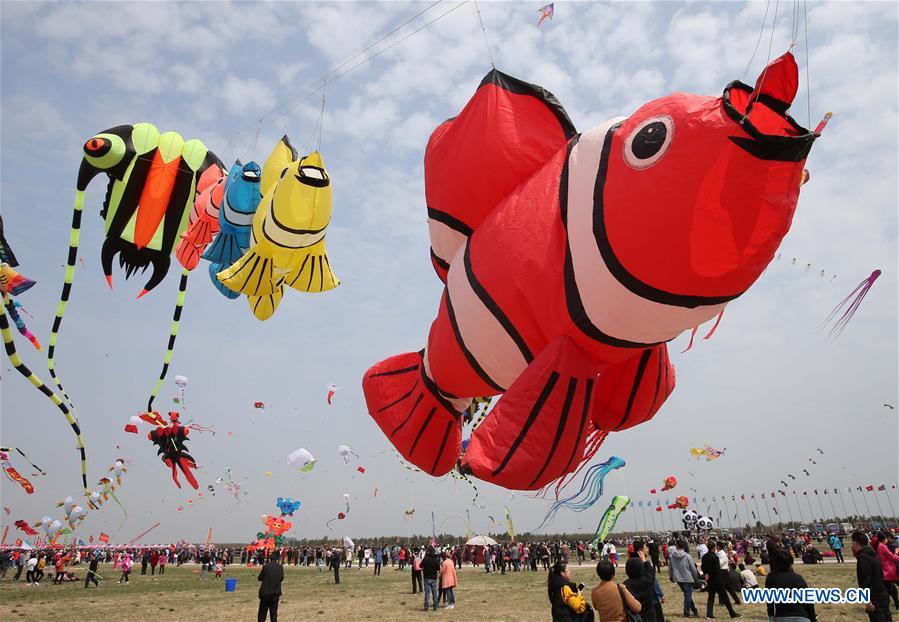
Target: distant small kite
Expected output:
[546,12]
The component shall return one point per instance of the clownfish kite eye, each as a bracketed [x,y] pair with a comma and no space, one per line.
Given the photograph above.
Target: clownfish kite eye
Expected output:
[648,142]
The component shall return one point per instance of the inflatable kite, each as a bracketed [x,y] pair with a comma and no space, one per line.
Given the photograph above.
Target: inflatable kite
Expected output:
[679,503]
[849,305]
[571,259]
[332,389]
[241,196]
[669,483]
[153,181]
[24,526]
[12,474]
[287,506]
[709,452]
[172,443]
[301,459]
[610,517]
[704,523]
[589,493]
[203,222]
[689,520]
[12,284]
[288,239]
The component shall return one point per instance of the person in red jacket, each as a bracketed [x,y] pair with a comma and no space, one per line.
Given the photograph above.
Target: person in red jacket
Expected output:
[154,560]
[888,561]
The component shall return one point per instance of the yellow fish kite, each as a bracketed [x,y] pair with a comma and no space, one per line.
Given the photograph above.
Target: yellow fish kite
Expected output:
[288,239]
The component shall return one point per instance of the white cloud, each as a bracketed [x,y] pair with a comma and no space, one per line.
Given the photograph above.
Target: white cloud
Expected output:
[245,95]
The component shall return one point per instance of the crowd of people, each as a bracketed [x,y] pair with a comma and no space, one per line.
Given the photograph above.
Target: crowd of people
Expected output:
[720,568]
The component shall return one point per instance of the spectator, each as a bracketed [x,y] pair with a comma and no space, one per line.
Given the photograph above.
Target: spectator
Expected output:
[888,561]
[417,585]
[271,577]
[747,577]
[682,570]
[869,573]
[836,545]
[716,582]
[430,567]
[379,560]
[609,599]
[564,597]
[783,576]
[448,580]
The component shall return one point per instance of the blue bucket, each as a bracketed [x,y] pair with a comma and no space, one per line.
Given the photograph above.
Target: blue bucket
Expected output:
[231,585]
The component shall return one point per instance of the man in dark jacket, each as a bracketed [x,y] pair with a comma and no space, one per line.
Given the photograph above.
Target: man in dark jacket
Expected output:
[271,576]
[335,564]
[92,575]
[869,573]
[716,580]
[144,560]
[430,567]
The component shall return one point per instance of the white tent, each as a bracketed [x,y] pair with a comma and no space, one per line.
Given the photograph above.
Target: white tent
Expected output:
[481,541]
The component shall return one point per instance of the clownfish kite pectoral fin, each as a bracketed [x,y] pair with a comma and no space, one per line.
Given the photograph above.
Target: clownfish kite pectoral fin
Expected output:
[313,273]
[225,249]
[633,391]
[508,130]
[422,424]
[263,307]
[536,433]
[253,275]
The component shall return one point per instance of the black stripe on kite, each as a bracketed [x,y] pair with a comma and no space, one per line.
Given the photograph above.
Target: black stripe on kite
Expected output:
[472,361]
[560,429]
[538,406]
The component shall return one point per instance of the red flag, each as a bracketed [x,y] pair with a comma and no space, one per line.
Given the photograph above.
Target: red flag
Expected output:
[18,541]
[130,427]
[882,487]
[104,538]
[869,488]
[360,469]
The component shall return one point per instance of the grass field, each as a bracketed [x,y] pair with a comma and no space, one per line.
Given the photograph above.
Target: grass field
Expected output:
[180,594]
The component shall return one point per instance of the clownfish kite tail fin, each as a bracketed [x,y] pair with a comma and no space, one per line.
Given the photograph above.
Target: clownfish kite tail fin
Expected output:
[424,427]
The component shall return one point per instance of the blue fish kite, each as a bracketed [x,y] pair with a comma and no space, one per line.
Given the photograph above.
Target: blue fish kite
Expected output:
[241,198]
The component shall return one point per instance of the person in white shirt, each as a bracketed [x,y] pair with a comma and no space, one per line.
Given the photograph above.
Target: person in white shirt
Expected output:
[722,557]
[30,568]
[701,548]
[749,580]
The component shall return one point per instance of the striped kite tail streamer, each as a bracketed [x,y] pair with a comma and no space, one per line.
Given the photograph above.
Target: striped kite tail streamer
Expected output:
[13,357]
[74,238]
[173,334]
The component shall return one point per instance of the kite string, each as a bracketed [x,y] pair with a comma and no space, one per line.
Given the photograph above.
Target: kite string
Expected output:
[327,81]
[808,79]
[484,31]
[317,84]
[758,41]
[350,59]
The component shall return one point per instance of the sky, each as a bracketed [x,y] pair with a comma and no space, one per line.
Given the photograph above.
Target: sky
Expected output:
[770,387]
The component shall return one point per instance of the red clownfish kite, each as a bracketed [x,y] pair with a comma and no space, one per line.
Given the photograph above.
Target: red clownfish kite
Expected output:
[570,260]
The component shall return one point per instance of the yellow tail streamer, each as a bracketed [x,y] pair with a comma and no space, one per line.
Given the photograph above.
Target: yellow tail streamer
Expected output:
[20,367]
[173,334]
